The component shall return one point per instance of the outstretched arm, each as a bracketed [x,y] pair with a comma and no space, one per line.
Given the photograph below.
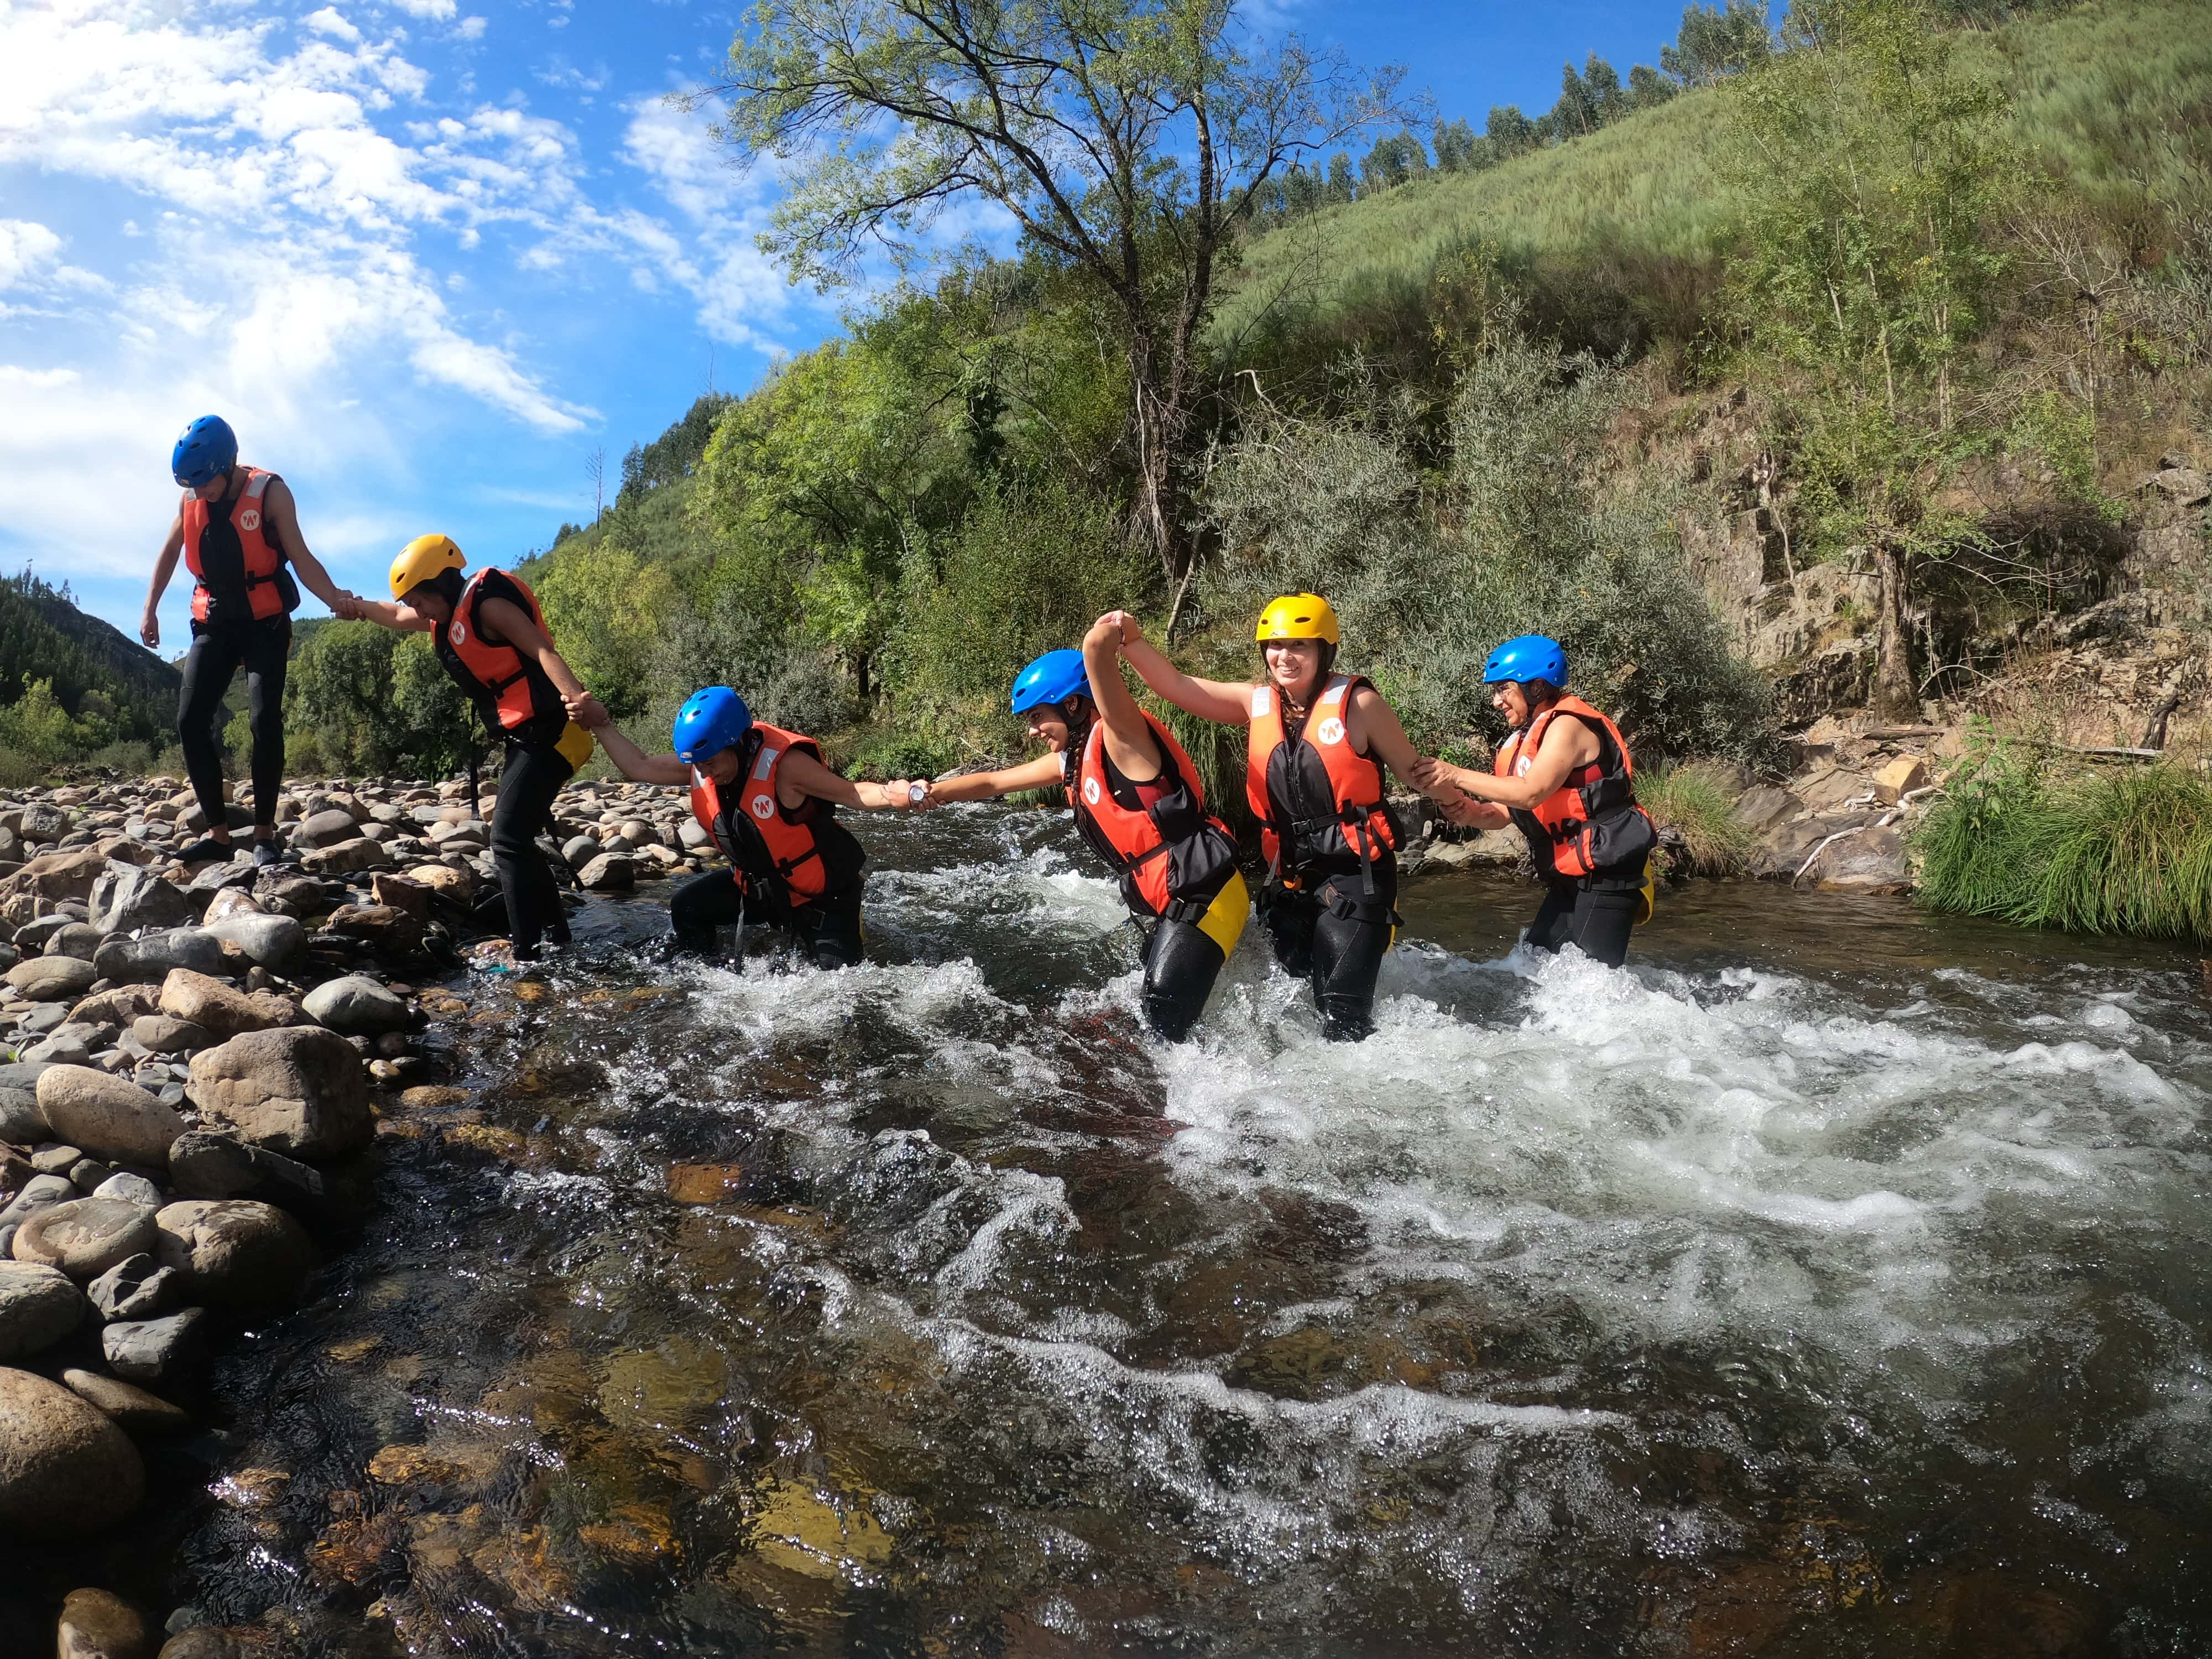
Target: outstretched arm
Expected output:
[809,776]
[1130,742]
[386,612]
[510,622]
[1377,722]
[149,625]
[1210,699]
[632,762]
[1043,773]
[285,519]
[1567,743]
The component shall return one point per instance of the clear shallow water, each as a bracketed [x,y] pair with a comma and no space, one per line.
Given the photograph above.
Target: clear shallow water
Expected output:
[1832,1283]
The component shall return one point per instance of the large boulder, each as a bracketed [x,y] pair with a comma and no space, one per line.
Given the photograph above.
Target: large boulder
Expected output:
[270,942]
[51,979]
[39,1306]
[299,1091]
[85,1237]
[219,1010]
[126,897]
[107,1116]
[65,875]
[356,1006]
[210,1163]
[65,1470]
[325,829]
[149,961]
[234,1253]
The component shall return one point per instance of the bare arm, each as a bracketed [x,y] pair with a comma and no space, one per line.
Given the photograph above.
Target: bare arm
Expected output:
[508,620]
[149,625]
[1130,742]
[1375,729]
[285,519]
[1043,773]
[635,763]
[809,776]
[391,614]
[1210,700]
[1567,743]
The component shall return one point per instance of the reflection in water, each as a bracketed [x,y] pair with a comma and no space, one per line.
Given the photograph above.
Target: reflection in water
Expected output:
[1831,1283]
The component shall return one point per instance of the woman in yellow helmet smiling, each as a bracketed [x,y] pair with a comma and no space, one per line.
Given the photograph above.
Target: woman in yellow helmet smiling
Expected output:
[1318,743]
[491,637]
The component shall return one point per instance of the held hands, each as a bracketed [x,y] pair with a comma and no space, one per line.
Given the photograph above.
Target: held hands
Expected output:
[586,710]
[1432,776]
[907,795]
[1460,811]
[1125,624]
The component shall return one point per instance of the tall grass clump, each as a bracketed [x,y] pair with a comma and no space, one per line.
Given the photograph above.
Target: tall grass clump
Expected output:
[2088,852]
[1697,801]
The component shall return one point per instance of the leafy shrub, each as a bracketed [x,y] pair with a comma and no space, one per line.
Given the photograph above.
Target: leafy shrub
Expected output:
[2091,852]
[883,755]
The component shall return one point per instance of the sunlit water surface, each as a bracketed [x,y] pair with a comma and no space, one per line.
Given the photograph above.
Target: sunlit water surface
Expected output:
[1833,1281]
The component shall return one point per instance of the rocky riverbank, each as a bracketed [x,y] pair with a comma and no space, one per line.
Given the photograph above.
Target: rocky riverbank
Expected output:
[198,1062]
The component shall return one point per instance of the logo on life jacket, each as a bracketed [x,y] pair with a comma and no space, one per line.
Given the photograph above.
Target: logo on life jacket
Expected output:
[1091,791]
[1332,730]
[249,519]
[459,633]
[764,806]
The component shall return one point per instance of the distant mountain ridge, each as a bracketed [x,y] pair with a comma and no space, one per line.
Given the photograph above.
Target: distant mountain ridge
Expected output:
[45,637]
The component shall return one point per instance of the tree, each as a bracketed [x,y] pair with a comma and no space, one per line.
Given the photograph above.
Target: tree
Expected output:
[1871,169]
[1647,88]
[1454,142]
[1124,138]
[1339,187]
[1509,131]
[1714,44]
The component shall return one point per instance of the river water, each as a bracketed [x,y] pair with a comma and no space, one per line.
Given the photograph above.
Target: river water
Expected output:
[1833,1282]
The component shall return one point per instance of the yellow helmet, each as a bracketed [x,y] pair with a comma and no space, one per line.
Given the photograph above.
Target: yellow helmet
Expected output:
[422,559]
[1298,617]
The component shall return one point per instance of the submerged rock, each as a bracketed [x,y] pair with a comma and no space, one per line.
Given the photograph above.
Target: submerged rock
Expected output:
[65,1470]
[96,1624]
[299,1091]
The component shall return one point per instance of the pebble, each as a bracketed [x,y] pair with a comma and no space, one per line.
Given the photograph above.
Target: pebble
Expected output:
[65,1469]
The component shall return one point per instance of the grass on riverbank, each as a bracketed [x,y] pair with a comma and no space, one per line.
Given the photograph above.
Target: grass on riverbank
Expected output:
[2089,852]
[1697,800]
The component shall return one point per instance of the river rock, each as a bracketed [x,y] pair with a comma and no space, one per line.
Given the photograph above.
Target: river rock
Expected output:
[609,872]
[85,1237]
[325,829]
[51,979]
[291,894]
[64,875]
[165,1034]
[230,901]
[76,939]
[96,1624]
[210,1163]
[41,1192]
[218,1009]
[128,895]
[235,1253]
[357,1004]
[347,858]
[41,821]
[150,1349]
[139,1287]
[387,926]
[1871,861]
[22,1123]
[132,1187]
[107,1116]
[268,941]
[298,1090]
[65,1470]
[149,960]
[39,1306]
[133,1410]
[118,1005]
[454,882]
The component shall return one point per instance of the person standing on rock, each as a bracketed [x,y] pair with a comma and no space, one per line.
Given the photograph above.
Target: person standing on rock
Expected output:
[1138,802]
[491,637]
[768,800]
[1565,778]
[237,528]
[1318,742]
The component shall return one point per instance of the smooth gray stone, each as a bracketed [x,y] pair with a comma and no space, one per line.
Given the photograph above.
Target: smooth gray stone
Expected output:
[136,1288]
[41,1192]
[39,1306]
[22,1123]
[34,934]
[269,940]
[153,1349]
[80,939]
[357,1004]
[148,961]
[208,1164]
[59,1051]
[124,1184]
[43,1020]
[241,873]
[22,1074]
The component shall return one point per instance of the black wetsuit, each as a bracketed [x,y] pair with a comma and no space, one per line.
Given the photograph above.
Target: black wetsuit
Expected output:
[230,638]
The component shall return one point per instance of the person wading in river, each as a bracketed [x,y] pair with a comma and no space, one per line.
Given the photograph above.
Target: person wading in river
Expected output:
[490,636]
[769,801]
[1318,741]
[237,528]
[1138,802]
[1564,776]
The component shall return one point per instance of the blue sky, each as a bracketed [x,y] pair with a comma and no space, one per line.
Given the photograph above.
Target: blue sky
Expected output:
[428,255]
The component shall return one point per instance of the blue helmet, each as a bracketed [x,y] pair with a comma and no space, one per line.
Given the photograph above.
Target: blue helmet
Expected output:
[709,722]
[1054,677]
[1531,657]
[205,450]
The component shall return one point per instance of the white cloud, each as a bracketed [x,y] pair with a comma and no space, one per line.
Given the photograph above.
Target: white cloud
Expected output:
[27,249]
[328,21]
[470,28]
[437,11]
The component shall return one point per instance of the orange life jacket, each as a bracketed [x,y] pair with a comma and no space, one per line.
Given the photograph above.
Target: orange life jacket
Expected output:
[510,693]
[1590,826]
[1172,859]
[265,588]
[1356,828]
[776,852]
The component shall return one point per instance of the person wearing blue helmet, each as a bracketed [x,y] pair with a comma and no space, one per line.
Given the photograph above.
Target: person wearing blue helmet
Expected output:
[1563,777]
[1139,803]
[769,801]
[237,529]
